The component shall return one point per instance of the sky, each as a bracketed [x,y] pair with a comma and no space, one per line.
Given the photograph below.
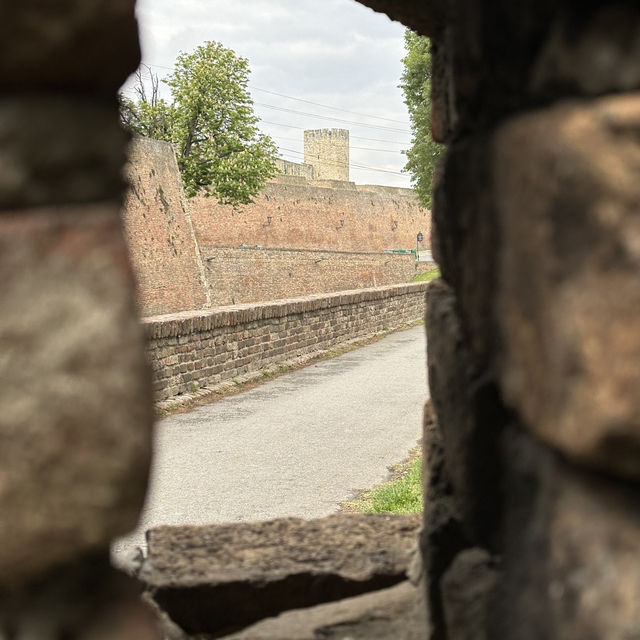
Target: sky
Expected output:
[307,58]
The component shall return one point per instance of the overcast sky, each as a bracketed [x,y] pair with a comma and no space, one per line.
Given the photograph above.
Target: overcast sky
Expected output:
[327,52]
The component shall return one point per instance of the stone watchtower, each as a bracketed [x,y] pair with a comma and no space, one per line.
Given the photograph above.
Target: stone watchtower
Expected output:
[327,150]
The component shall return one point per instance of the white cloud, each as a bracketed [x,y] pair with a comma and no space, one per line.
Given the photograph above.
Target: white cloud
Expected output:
[334,52]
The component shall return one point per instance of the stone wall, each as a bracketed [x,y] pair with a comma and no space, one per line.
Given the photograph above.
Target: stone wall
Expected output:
[298,214]
[327,151]
[532,522]
[299,169]
[166,259]
[166,234]
[197,349]
[75,400]
[236,274]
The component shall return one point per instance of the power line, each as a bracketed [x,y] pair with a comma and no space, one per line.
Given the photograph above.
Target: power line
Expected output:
[291,126]
[326,106]
[316,115]
[355,166]
[396,151]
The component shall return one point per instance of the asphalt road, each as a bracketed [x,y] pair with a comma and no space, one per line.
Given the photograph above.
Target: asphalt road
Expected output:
[297,445]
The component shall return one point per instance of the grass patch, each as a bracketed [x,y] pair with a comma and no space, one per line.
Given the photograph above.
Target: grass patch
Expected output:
[426,276]
[401,494]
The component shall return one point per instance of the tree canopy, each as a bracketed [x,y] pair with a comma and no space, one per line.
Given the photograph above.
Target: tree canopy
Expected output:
[210,120]
[416,85]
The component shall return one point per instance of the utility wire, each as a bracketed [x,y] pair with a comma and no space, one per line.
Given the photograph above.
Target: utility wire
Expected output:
[350,146]
[316,115]
[291,126]
[354,165]
[326,106]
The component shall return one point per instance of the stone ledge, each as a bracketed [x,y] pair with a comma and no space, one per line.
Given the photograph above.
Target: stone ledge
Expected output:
[386,614]
[197,575]
[188,322]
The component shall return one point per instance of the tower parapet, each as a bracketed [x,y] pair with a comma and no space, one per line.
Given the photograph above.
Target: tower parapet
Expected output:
[327,150]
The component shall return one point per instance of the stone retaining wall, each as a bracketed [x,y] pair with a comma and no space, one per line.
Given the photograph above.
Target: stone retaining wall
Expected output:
[198,349]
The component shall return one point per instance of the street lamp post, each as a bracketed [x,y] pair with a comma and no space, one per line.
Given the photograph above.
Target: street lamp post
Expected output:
[419,239]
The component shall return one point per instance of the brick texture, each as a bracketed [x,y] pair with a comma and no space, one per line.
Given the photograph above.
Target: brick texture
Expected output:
[298,214]
[314,237]
[237,275]
[199,349]
[158,231]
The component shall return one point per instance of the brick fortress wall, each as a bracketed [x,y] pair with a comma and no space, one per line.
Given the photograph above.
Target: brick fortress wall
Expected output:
[201,349]
[158,231]
[237,274]
[302,214]
[291,220]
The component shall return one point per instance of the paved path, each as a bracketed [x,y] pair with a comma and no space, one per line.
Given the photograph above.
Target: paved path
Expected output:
[295,446]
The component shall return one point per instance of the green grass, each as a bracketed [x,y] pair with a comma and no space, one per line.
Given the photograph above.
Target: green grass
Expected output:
[426,276]
[401,494]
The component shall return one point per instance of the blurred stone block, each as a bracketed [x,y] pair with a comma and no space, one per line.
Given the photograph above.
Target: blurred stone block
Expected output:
[83,600]
[426,18]
[69,44]
[59,150]
[569,285]
[571,559]
[224,577]
[74,389]
[467,588]
[385,614]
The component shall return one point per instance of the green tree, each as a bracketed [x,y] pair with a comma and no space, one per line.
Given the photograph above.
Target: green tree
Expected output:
[148,115]
[211,122]
[416,85]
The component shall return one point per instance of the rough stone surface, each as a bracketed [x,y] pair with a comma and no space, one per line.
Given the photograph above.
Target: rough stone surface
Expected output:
[494,59]
[199,574]
[581,57]
[237,275]
[75,396]
[83,600]
[442,536]
[386,614]
[426,18]
[469,417]
[300,214]
[76,44]
[467,589]
[570,564]
[81,160]
[568,294]
[464,224]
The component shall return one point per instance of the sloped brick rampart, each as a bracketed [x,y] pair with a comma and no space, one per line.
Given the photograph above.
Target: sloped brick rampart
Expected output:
[201,349]
[161,242]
